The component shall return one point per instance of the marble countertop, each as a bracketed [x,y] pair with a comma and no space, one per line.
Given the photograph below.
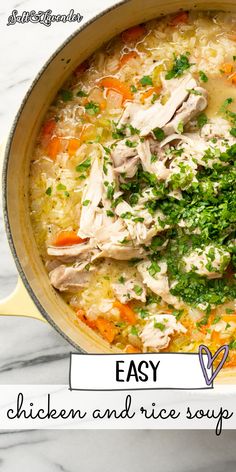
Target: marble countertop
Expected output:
[30,350]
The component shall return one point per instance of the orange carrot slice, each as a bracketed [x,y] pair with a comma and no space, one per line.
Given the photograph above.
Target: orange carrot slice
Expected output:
[148,93]
[181,17]
[229,318]
[106,328]
[48,127]
[215,337]
[232,37]
[53,147]
[67,238]
[73,145]
[231,361]
[126,313]
[82,316]
[226,68]
[115,84]
[131,349]
[127,57]
[233,78]
[133,34]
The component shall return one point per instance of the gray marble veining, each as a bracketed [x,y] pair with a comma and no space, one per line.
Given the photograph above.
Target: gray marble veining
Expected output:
[93,451]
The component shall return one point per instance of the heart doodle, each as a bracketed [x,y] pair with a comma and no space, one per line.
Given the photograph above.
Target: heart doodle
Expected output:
[210,360]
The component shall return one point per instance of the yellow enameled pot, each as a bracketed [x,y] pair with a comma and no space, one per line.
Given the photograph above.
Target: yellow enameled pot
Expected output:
[35,297]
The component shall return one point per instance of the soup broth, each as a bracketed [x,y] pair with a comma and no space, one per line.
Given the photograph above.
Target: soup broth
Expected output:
[132,186]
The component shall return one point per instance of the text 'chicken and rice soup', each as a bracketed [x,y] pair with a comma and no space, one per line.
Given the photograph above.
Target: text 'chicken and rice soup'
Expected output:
[132,187]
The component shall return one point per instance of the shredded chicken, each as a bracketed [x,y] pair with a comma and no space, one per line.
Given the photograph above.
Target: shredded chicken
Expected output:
[128,168]
[69,253]
[216,128]
[210,261]
[128,290]
[189,109]
[92,195]
[123,252]
[157,167]
[158,331]
[121,151]
[66,278]
[158,115]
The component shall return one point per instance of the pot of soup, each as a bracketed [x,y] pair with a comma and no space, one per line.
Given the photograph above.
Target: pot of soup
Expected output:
[119,182]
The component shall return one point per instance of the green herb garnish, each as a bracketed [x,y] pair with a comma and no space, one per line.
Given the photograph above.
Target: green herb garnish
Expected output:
[203,77]
[181,64]
[160,326]
[66,95]
[85,165]
[92,108]
[202,120]
[86,202]
[81,93]
[159,134]
[49,191]
[146,80]
[138,290]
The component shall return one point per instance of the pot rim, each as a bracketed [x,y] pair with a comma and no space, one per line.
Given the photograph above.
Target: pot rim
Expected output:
[7,152]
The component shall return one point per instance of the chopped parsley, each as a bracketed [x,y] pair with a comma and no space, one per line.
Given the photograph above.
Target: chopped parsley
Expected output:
[132,130]
[81,93]
[138,290]
[232,344]
[49,191]
[138,219]
[153,158]
[121,279]
[156,243]
[92,108]
[194,92]
[159,134]
[110,213]
[160,326]
[110,191]
[66,95]
[203,77]
[177,314]
[154,268]
[133,88]
[180,127]
[226,103]
[142,313]
[86,203]
[118,133]
[85,165]
[181,64]
[146,80]
[154,98]
[216,319]
[229,114]
[126,216]
[131,144]
[202,120]
[134,331]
